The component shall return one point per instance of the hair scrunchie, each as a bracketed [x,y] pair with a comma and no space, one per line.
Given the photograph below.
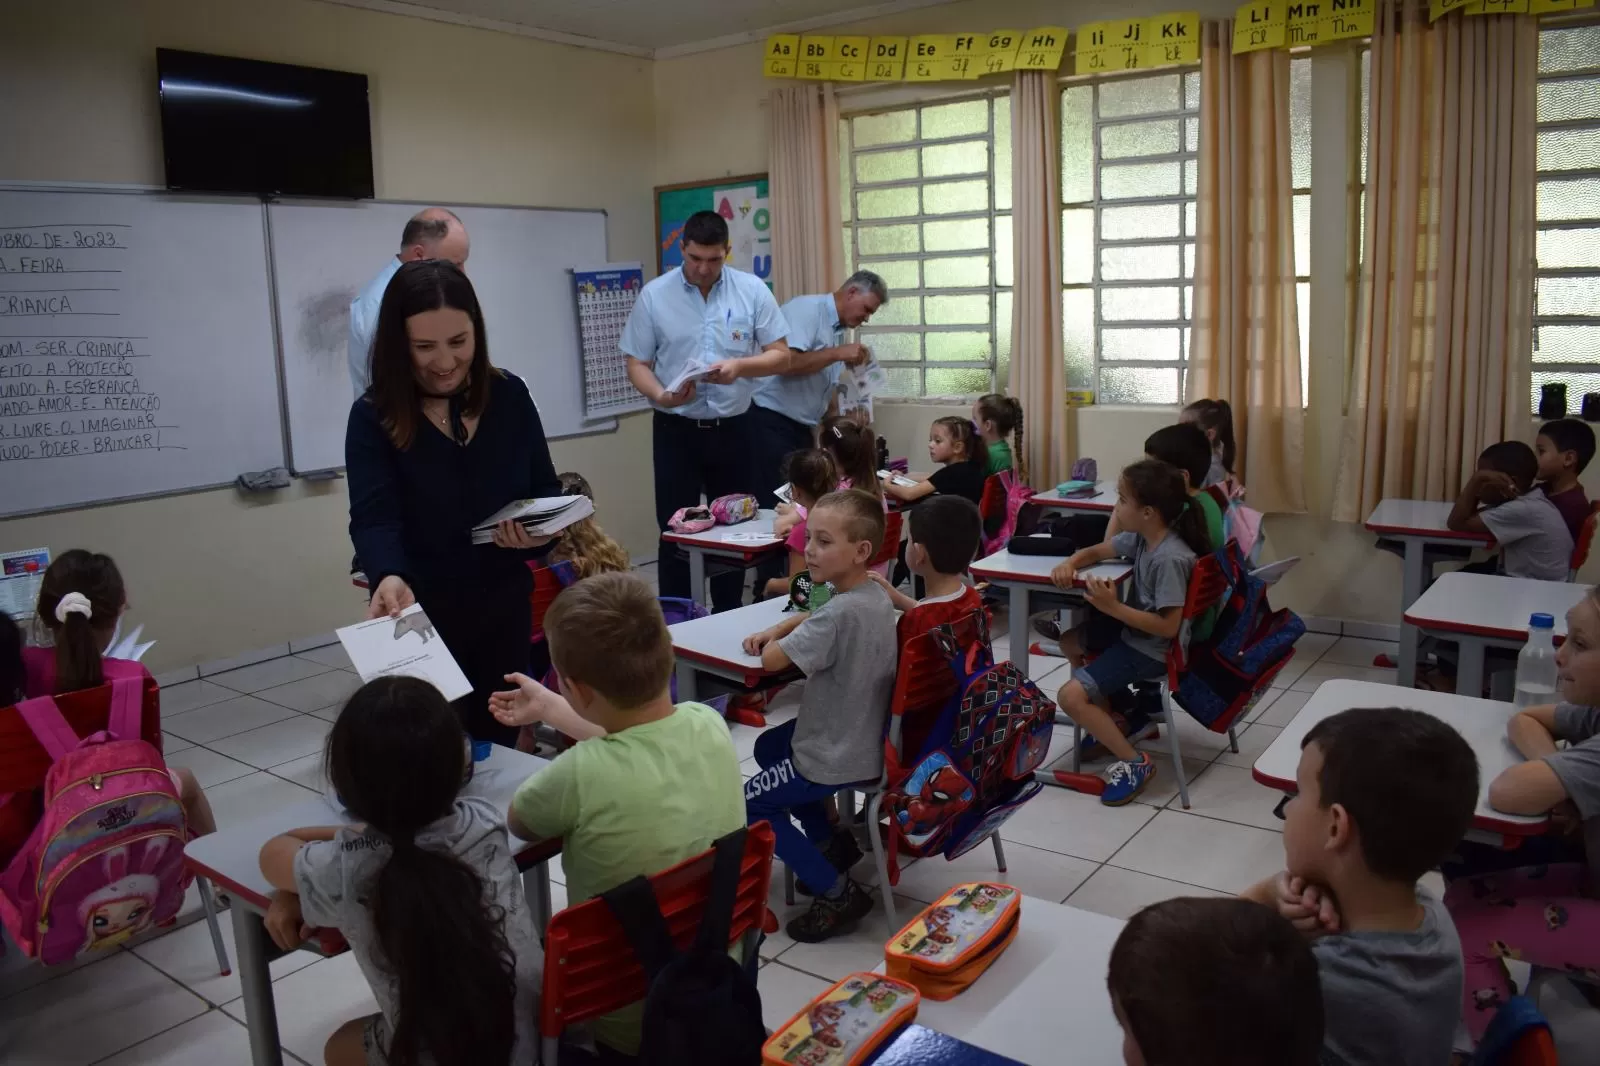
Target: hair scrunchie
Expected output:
[73,603]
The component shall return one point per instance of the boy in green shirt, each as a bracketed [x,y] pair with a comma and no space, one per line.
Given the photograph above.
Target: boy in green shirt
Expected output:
[648,784]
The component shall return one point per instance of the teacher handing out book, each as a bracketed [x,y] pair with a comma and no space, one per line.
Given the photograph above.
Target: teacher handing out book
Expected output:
[440,440]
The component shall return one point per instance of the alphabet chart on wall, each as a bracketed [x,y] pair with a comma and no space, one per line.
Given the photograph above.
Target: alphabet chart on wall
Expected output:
[605,296]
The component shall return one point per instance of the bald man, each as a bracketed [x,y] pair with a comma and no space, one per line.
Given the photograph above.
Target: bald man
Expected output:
[434,233]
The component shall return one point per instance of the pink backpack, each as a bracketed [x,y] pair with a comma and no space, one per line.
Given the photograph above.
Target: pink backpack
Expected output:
[105,862]
[1004,496]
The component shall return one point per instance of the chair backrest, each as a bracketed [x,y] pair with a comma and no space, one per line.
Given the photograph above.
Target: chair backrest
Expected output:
[23,763]
[589,966]
[890,550]
[1580,550]
[548,581]
[923,684]
[1208,587]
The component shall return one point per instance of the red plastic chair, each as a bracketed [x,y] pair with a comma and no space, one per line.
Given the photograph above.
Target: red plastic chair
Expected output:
[1580,550]
[546,587]
[890,551]
[1208,585]
[589,965]
[1536,1047]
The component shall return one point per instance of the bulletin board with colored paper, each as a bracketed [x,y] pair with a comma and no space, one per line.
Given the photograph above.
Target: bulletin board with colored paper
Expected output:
[741,201]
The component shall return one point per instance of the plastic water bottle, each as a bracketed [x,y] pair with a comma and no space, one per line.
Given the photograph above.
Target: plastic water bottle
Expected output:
[1536,664]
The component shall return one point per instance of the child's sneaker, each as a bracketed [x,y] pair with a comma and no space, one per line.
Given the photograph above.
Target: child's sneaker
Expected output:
[842,851]
[1124,781]
[1136,725]
[829,917]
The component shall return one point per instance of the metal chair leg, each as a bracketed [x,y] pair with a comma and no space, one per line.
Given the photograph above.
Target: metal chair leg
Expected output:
[209,905]
[1233,739]
[879,859]
[1177,754]
[999,853]
[1077,735]
[788,884]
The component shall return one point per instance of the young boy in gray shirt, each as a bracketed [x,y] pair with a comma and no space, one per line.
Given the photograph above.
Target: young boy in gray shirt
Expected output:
[847,650]
[1500,500]
[1383,796]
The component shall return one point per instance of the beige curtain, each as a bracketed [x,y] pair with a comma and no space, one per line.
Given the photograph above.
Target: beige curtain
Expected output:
[1246,343]
[803,176]
[1038,367]
[1442,349]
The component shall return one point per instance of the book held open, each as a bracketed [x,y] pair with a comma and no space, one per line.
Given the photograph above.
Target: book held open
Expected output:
[543,517]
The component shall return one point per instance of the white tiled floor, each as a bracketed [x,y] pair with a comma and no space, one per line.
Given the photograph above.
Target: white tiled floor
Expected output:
[254,737]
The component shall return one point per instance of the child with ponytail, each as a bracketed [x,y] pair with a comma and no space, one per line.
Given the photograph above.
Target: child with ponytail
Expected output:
[997,418]
[1216,418]
[854,450]
[1162,533]
[422,885]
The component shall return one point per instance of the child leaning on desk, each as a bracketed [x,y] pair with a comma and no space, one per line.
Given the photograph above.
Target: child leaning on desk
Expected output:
[1500,499]
[846,648]
[811,475]
[1547,915]
[1383,795]
[648,784]
[1162,533]
[423,887]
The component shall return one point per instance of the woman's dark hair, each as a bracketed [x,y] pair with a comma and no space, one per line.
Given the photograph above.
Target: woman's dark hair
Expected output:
[1152,483]
[79,639]
[1006,414]
[1217,982]
[1215,416]
[423,285]
[811,471]
[13,675]
[855,453]
[965,434]
[397,758]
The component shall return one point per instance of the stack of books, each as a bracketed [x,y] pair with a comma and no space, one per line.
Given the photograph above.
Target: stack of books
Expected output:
[542,518]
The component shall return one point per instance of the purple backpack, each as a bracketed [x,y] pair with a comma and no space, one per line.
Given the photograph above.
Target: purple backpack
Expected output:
[105,862]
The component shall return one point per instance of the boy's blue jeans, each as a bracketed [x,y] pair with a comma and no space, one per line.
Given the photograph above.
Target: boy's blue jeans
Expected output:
[779,793]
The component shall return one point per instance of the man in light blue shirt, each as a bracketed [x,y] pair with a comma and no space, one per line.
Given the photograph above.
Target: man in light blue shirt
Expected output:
[788,407]
[433,233]
[696,337]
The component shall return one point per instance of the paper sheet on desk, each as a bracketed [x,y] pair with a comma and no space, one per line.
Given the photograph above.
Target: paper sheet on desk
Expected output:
[407,646]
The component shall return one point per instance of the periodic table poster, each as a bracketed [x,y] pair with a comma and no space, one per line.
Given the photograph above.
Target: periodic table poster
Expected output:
[743,202]
[605,296]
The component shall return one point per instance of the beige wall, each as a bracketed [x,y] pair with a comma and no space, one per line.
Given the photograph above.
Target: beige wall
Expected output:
[459,115]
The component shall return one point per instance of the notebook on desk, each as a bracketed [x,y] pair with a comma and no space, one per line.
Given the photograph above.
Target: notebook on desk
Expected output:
[917,1045]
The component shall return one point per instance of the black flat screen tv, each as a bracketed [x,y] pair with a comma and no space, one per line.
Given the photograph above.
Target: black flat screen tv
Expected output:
[242,125]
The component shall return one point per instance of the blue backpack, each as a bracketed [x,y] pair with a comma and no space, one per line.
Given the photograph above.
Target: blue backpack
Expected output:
[1516,1034]
[1249,644]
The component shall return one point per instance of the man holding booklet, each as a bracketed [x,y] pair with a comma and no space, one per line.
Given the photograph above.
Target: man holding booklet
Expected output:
[696,337]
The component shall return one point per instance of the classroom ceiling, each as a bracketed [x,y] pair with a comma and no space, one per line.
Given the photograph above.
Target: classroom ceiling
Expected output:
[643,27]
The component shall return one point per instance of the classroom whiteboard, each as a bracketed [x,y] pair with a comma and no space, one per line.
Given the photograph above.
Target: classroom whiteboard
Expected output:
[324,253]
[136,350]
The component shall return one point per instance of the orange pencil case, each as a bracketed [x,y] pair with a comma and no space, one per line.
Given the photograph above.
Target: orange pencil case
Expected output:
[845,1025]
[949,945]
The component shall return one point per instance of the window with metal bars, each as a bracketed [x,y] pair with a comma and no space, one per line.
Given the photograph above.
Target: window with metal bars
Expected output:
[926,194]
[1128,182]
[1566,323]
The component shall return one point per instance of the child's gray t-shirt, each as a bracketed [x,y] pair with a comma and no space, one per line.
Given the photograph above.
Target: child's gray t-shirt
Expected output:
[1389,998]
[847,651]
[1533,537]
[1578,767]
[1160,580]
[335,881]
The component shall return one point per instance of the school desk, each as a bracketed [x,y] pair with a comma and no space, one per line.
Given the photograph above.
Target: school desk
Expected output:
[231,858]
[715,645]
[1481,722]
[745,543]
[1021,575]
[1482,611]
[1044,1001]
[1102,501]
[1417,525]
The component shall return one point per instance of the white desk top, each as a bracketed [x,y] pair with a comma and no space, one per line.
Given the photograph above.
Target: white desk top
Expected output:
[717,639]
[1044,1001]
[734,538]
[232,856]
[1491,605]
[1481,722]
[1035,569]
[1104,499]
[1418,518]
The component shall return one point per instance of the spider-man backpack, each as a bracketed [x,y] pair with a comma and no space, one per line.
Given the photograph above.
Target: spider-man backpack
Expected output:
[974,767]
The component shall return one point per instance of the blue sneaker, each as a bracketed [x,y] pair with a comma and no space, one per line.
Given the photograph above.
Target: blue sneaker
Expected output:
[1136,726]
[1125,780]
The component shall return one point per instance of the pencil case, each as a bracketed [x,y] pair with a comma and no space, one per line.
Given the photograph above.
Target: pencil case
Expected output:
[691,520]
[731,510]
[845,1025]
[950,944]
[1076,488]
[1037,545]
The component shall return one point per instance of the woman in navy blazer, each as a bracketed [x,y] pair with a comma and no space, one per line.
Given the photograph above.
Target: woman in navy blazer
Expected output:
[440,441]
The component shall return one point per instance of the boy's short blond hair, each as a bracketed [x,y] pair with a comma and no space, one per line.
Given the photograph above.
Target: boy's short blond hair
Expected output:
[607,632]
[863,515]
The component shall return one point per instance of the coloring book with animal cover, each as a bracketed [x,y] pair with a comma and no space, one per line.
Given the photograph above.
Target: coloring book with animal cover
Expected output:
[408,646]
